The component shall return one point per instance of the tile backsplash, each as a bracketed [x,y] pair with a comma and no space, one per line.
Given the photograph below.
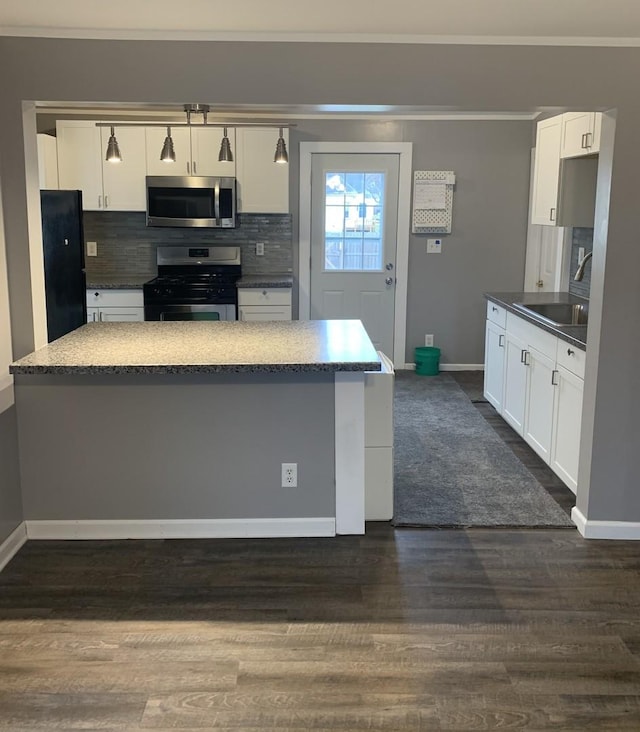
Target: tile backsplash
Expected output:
[580,238]
[126,246]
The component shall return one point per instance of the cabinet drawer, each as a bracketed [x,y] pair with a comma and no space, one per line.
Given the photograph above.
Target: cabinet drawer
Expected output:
[115,298]
[533,336]
[496,314]
[266,296]
[572,358]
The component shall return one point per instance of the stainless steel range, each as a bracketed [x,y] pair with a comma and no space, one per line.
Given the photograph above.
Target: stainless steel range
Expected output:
[193,283]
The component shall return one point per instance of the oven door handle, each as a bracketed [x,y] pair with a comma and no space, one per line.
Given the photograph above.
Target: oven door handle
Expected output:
[216,202]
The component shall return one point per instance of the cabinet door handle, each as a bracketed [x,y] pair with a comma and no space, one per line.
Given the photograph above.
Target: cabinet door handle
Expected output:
[106,201]
[188,168]
[494,308]
[501,341]
[99,201]
[100,317]
[583,143]
[554,373]
[570,352]
[588,139]
[552,214]
[195,169]
[523,356]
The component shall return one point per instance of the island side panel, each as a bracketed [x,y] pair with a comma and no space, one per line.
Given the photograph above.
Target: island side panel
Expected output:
[144,447]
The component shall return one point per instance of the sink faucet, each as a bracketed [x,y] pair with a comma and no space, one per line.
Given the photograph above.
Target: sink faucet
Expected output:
[581,265]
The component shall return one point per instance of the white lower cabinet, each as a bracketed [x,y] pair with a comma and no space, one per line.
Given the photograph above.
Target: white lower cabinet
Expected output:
[539,408]
[495,344]
[273,303]
[540,394]
[515,382]
[111,306]
[567,415]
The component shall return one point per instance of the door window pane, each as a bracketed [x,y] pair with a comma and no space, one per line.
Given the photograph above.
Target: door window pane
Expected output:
[353,222]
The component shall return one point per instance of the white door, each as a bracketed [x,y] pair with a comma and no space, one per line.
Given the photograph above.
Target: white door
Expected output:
[354,212]
[545,252]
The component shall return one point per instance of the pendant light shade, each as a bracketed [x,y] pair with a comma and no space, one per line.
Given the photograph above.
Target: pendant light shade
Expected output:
[281,155]
[225,155]
[168,154]
[113,151]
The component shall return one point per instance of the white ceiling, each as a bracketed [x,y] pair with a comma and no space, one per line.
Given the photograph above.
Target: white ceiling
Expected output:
[588,22]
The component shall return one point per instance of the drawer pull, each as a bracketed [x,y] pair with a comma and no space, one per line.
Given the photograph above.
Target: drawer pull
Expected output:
[494,308]
[554,373]
[570,352]
[264,292]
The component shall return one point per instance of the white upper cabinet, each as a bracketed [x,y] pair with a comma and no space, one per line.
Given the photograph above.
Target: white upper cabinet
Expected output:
[47,162]
[546,175]
[80,161]
[123,182]
[82,165]
[263,186]
[565,170]
[196,149]
[205,148]
[580,134]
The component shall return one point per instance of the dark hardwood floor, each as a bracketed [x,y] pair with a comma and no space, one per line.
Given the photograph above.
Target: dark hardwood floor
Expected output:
[403,629]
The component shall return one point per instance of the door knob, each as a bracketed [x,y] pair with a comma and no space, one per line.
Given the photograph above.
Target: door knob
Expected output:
[389,281]
[539,283]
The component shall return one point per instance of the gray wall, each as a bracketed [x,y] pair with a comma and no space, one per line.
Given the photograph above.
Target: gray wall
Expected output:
[486,247]
[10,497]
[154,447]
[490,78]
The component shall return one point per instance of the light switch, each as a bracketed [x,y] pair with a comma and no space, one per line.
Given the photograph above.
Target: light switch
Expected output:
[92,249]
[259,249]
[434,246]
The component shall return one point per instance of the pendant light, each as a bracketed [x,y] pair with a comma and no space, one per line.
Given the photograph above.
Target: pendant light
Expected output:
[168,154]
[281,155]
[225,155]
[113,151]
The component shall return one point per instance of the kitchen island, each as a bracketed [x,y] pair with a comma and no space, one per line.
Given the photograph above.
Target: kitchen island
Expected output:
[157,429]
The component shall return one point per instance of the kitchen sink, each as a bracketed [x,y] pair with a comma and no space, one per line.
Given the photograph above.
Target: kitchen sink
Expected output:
[557,313]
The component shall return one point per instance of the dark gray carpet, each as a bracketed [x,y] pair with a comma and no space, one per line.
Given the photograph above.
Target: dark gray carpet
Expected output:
[452,469]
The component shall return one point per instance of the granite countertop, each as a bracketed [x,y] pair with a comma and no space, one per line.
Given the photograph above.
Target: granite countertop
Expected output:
[117,282]
[213,347]
[574,334]
[275,279]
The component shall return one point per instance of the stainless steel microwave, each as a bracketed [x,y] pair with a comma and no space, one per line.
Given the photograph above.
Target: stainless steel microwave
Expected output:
[191,200]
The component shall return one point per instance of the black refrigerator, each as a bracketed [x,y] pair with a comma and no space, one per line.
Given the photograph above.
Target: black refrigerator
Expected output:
[64,277]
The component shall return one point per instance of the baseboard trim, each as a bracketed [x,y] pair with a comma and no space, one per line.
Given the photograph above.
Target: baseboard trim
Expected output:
[618,530]
[182,528]
[450,367]
[11,545]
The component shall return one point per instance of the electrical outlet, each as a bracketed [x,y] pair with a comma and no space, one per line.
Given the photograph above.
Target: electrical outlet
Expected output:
[289,475]
[259,249]
[434,246]
[428,339]
[92,249]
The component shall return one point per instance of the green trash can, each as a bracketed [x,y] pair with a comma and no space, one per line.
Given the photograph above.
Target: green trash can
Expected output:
[427,361]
